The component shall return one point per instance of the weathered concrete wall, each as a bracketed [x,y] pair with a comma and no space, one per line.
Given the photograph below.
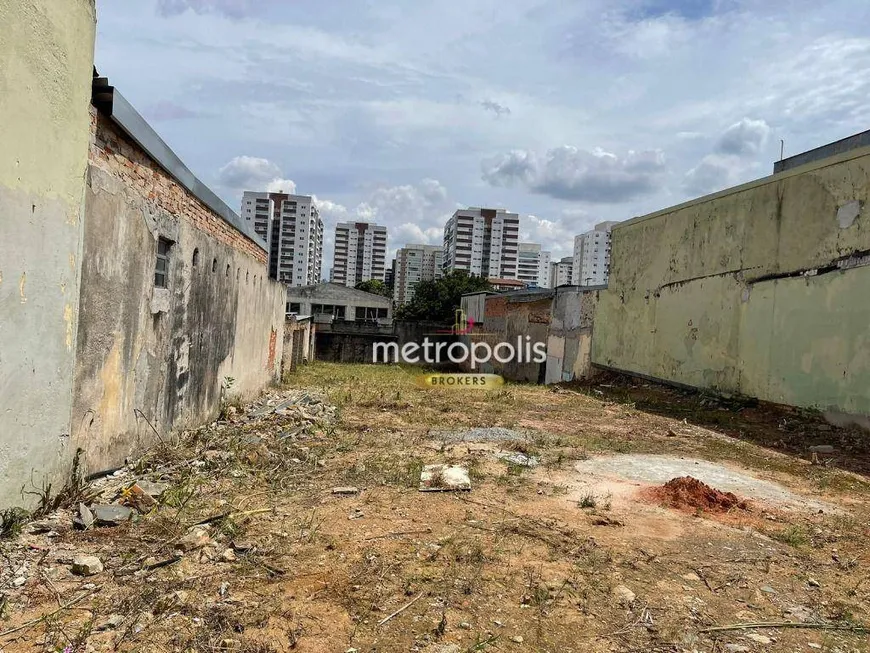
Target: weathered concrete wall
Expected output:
[760,290]
[512,321]
[298,345]
[569,341]
[150,358]
[46,50]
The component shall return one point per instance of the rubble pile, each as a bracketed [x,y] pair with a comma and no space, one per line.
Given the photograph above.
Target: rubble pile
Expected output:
[65,554]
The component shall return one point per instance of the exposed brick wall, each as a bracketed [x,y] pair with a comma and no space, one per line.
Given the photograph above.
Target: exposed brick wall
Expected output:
[113,151]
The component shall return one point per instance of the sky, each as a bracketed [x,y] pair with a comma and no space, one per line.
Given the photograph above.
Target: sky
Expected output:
[568,112]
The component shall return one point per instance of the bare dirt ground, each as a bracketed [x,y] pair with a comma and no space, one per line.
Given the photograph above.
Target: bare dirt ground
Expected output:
[250,549]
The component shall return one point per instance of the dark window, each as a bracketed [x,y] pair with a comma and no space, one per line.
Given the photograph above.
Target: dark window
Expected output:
[195,257]
[295,307]
[161,267]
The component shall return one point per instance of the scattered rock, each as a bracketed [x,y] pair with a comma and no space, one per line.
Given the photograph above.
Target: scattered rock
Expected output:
[112,623]
[356,513]
[464,625]
[759,639]
[228,556]
[84,565]
[812,582]
[517,639]
[520,459]
[85,519]
[822,448]
[624,596]
[195,539]
[18,582]
[736,648]
[444,478]
[345,490]
[111,515]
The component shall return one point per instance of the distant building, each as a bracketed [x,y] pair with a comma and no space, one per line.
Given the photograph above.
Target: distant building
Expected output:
[293,230]
[505,285]
[483,242]
[592,256]
[328,302]
[562,272]
[390,276]
[415,263]
[360,252]
[533,265]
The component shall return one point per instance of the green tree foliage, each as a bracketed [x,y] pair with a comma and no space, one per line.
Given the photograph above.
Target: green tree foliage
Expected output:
[438,300]
[374,286]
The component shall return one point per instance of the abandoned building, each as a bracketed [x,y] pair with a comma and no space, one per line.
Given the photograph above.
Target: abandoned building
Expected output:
[328,302]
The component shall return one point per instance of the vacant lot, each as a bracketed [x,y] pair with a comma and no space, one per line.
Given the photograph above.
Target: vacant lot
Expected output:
[571,538]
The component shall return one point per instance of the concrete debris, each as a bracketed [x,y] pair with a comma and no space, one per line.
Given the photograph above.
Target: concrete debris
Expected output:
[111,515]
[18,582]
[491,434]
[736,648]
[759,639]
[86,517]
[521,459]
[444,478]
[84,565]
[345,490]
[155,490]
[228,556]
[356,513]
[195,539]
[624,596]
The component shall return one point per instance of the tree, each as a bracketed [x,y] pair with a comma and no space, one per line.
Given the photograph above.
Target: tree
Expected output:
[438,300]
[374,286]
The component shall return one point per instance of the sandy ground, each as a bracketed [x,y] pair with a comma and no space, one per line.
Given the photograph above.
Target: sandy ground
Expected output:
[250,549]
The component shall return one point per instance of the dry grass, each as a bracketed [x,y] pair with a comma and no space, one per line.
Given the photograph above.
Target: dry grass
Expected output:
[514,558]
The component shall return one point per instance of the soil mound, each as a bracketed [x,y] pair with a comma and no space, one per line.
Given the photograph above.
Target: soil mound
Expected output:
[688,492]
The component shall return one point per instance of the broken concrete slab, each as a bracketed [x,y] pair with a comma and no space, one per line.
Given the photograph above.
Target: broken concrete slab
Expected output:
[111,515]
[345,490]
[483,434]
[444,478]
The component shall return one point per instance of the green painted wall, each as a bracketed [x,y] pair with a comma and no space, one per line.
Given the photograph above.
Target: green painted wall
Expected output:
[711,293]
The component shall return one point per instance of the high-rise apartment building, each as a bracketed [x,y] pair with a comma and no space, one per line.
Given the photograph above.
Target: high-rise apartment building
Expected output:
[483,242]
[562,272]
[360,252]
[415,263]
[293,230]
[533,265]
[592,256]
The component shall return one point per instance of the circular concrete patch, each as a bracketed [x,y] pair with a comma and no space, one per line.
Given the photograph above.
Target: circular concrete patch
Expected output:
[656,470]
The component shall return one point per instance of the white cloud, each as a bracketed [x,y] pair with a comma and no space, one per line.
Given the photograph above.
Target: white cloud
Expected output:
[744,138]
[569,173]
[248,173]
[231,8]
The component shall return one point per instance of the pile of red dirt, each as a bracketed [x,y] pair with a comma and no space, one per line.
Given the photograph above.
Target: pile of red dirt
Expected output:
[687,492]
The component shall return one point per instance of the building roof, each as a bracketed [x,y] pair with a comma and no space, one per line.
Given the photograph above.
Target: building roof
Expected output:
[113,105]
[507,282]
[336,293]
[837,147]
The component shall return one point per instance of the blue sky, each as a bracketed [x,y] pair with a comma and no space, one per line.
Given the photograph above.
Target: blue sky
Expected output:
[569,112]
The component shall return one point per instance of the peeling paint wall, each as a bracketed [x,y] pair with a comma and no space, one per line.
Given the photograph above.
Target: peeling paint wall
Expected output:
[152,360]
[759,290]
[46,50]
[569,341]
